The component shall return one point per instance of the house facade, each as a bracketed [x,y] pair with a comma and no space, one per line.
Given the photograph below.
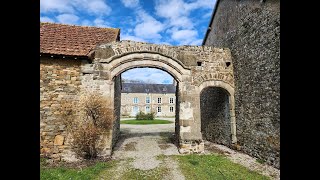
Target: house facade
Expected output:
[157,98]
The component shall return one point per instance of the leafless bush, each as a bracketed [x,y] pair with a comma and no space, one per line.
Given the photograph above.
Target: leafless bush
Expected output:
[97,110]
[86,122]
[68,112]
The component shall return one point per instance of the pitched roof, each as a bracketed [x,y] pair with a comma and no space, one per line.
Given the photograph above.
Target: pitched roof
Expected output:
[71,40]
[147,88]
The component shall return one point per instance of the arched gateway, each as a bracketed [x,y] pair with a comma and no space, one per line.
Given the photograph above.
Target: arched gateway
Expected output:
[193,67]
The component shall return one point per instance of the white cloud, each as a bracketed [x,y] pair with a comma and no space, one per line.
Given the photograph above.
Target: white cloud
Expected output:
[97,7]
[46,19]
[149,27]
[67,18]
[207,15]
[186,37]
[130,3]
[100,23]
[86,23]
[174,8]
[205,4]
[197,42]
[177,14]
[170,8]
[132,38]
[61,6]
[184,34]
[182,22]
[148,74]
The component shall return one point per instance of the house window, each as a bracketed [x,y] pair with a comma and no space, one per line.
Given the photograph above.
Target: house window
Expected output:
[147,109]
[171,100]
[148,100]
[159,100]
[159,109]
[171,109]
[135,100]
[135,109]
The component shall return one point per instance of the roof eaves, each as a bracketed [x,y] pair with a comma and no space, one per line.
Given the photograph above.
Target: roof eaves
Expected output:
[79,57]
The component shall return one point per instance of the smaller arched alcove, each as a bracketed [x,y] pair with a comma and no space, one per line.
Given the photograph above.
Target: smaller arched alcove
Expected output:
[215,115]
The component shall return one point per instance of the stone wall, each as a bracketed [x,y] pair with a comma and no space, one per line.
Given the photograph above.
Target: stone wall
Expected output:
[215,116]
[194,67]
[251,29]
[59,80]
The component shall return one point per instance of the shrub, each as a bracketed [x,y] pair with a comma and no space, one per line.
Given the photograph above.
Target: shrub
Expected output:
[85,139]
[142,116]
[150,116]
[96,109]
[86,121]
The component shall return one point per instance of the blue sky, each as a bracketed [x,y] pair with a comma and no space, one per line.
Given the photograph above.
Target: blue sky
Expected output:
[150,75]
[172,22]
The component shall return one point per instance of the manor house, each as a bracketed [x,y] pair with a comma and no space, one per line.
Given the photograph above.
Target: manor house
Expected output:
[157,98]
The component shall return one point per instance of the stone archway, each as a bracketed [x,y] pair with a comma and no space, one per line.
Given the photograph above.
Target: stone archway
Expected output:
[136,60]
[194,68]
[140,60]
[230,103]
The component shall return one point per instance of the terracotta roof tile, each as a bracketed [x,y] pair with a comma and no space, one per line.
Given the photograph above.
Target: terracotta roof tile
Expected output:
[62,39]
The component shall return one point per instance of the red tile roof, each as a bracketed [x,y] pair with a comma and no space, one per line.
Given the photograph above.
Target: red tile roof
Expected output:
[71,40]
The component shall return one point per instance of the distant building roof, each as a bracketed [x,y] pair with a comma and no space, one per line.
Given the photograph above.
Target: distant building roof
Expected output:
[147,88]
[71,40]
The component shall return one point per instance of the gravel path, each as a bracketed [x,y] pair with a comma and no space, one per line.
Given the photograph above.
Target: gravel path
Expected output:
[144,143]
[175,173]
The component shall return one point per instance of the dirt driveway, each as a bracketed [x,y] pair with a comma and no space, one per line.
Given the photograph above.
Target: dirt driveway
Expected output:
[148,147]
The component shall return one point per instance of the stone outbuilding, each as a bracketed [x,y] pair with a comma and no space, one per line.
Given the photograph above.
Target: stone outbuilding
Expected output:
[76,59]
[251,29]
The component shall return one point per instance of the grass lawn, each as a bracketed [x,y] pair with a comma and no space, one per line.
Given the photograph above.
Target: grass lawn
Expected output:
[214,167]
[144,122]
[63,173]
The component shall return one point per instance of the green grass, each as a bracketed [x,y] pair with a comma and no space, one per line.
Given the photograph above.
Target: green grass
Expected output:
[214,167]
[153,174]
[144,122]
[261,161]
[62,173]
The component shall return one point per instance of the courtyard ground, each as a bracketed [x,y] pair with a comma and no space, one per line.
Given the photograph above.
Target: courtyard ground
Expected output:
[149,152]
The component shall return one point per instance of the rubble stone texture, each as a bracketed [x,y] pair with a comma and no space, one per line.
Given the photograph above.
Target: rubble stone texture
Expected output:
[251,29]
[195,68]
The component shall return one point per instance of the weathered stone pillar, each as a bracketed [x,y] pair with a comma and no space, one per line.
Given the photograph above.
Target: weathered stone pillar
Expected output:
[233,119]
[190,140]
[95,79]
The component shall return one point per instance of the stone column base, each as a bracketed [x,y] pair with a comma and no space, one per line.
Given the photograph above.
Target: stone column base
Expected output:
[191,146]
